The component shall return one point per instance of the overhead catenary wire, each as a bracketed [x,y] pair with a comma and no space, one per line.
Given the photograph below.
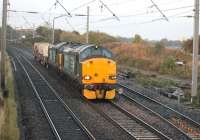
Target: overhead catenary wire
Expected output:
[156,6]
[175,16]
[27,22]
[113,14]
[140,14]
[64,8]
[121,16]
[71,26]
[83,5]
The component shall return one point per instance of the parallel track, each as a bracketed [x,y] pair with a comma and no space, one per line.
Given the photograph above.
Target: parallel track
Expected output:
[64,123]
[179,120]
[126,121]
[143,127]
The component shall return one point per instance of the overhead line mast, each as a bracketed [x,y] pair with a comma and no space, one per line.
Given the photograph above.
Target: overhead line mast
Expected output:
[87,32]
[3,44]
[195,54]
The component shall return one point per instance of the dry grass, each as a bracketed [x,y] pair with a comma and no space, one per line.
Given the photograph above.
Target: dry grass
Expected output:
[1,117]
[149,58]
[9,130]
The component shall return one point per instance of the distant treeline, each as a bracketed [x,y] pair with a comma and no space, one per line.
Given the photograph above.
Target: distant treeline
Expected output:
[44,33]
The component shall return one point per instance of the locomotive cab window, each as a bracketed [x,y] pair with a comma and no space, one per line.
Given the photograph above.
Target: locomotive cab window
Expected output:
[95,51]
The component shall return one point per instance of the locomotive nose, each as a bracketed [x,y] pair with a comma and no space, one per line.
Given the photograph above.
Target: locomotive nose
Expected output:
[100,70]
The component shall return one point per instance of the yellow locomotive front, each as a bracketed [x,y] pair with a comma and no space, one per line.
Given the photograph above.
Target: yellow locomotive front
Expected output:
[99,75]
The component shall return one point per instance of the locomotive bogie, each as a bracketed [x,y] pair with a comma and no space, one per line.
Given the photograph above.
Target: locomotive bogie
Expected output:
[99,94]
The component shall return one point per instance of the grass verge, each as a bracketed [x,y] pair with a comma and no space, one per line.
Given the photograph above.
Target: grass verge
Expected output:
[9,127]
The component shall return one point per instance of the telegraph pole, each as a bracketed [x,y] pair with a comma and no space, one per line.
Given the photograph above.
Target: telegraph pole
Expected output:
[3,43]
[195,53]
[87,33]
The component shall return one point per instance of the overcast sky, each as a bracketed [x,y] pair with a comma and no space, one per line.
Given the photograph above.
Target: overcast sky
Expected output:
[136,17]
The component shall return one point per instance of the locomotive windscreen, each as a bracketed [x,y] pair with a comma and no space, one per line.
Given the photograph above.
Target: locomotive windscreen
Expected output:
[95,52]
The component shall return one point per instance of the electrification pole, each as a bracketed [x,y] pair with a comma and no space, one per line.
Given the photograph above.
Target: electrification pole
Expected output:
[195,53]
[3,43]
[87,33]
[33,33]
[53,27]
[53,34]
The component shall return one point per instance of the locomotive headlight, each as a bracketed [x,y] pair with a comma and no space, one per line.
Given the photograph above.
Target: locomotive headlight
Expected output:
[112,77]
[87,77]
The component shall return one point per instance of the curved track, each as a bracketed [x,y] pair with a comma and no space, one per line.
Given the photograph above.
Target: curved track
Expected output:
[62,120]
[179,120]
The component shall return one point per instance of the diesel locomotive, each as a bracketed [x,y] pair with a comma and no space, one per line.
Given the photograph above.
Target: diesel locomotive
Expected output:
[91,66]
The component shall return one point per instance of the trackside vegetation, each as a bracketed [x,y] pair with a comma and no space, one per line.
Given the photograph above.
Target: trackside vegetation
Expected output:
[8,111]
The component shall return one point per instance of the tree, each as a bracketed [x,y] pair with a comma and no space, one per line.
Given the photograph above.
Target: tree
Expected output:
[168,64]
[164,41]
[159,47]
[188,45]
[72,36]
[57,34]
[45,33]
[101,38]
[137,39]
[76,32]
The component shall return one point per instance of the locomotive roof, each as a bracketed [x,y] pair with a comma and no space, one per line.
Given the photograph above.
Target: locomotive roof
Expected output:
[72,47]
[57,46]
[76,47]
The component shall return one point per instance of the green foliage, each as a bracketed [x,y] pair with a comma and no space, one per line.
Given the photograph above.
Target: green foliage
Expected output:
[99,38]
[45,33]
[150,81]
[187,45]
[57,34]
[94,37]
[10,130]
[159,47]
[168,65]
[137,39]
[72,36]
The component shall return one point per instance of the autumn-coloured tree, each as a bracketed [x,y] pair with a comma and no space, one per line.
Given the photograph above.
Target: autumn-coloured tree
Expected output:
[137,39]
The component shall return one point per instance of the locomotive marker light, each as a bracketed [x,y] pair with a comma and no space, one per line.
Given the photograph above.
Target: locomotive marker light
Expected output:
[120,91]
[87,77]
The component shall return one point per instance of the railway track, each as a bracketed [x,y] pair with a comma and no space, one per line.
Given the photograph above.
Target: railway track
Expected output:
[135,127]
[127,126]
[179,120]
[63,122]
[123,134]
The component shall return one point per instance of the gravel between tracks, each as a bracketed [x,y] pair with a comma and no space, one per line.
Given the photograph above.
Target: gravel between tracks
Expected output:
[151,119]
[186,110]
[32,121]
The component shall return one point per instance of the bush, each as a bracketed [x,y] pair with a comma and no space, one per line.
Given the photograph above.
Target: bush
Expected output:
[168,65]
[159,47]
[137,39]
